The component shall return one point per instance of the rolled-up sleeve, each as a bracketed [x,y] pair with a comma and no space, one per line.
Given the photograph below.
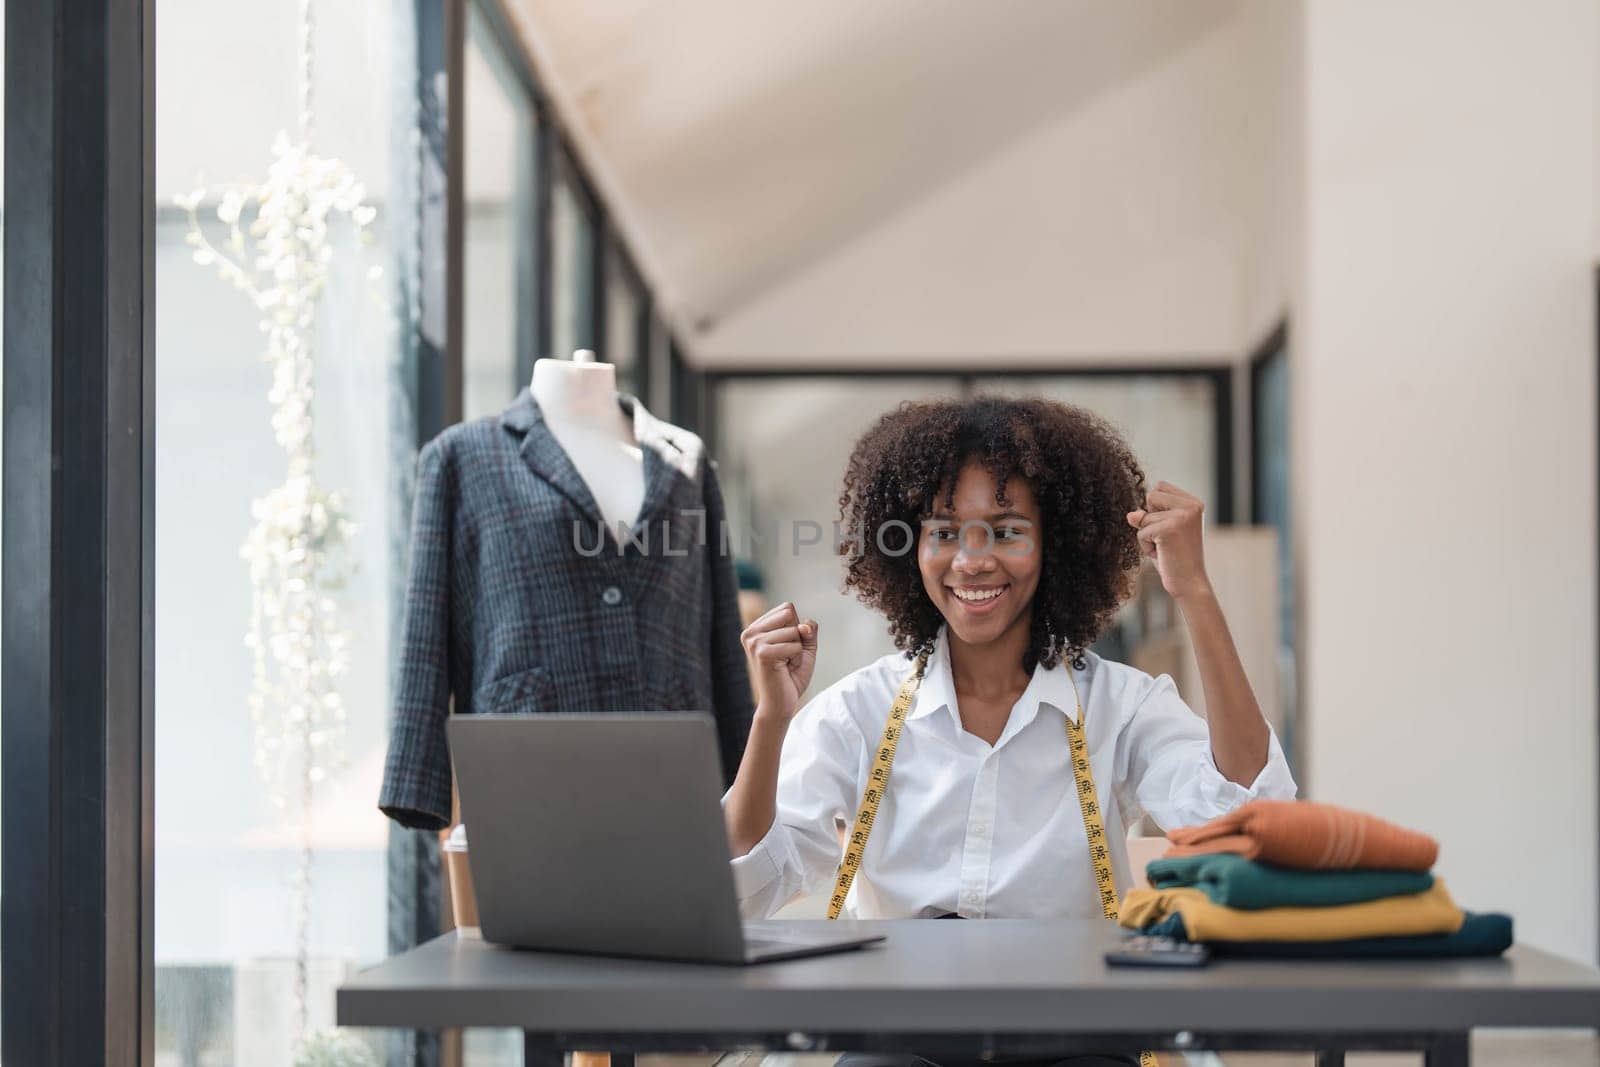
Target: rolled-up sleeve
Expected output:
[817,786]
[1169,772]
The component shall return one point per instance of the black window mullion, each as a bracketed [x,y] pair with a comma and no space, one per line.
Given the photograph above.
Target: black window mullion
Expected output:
[427,214]
[77,557]
[642,345]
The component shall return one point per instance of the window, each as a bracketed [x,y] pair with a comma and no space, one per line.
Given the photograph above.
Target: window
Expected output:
[781,448]
[499,284]
[272,664]
[272,691]
[1269,488]
[572,263]
[1170,421]
[1173,422]
[626,332]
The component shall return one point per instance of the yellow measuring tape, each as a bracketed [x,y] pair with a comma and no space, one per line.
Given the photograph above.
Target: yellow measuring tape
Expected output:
[878,781]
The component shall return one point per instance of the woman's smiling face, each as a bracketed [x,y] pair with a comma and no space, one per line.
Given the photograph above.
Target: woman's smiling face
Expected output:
[980,562]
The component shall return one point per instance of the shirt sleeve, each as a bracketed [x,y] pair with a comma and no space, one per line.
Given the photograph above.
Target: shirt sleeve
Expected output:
[817,791]
[1168,770]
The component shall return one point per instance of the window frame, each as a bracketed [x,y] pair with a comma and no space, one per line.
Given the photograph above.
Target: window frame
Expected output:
[558,159]
[76,661]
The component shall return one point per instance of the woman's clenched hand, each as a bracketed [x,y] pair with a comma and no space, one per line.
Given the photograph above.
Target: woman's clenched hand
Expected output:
[781,651]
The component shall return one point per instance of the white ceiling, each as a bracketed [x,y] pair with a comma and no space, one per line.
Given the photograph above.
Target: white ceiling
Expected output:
[1035,181]
[756,151]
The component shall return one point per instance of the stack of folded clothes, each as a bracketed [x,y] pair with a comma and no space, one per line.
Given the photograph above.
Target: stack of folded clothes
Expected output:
[1290,878]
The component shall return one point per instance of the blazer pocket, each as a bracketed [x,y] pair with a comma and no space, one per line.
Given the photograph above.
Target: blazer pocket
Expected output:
[525,691]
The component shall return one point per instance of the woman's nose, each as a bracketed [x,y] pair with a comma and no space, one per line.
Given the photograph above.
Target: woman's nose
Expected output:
[973,559]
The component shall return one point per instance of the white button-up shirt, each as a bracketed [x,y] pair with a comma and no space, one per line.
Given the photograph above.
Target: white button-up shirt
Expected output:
[976,830]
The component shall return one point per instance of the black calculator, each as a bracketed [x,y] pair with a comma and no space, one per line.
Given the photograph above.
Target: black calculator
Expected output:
[1142,951]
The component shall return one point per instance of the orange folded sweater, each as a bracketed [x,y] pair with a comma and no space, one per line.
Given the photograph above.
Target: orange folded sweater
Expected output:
[1306,836]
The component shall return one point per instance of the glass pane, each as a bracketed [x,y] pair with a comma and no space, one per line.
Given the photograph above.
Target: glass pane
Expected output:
[624,344]
[1169,421]
[572,251]
[274,539]
[778,473]
[771,485]
[1270,399]
[499,293]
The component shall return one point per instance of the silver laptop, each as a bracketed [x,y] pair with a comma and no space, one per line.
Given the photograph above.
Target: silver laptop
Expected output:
[604,834]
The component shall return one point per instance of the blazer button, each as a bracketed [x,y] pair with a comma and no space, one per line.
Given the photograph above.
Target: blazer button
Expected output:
[612,595]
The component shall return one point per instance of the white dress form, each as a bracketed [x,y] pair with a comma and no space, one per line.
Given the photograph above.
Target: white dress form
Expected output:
[579,400]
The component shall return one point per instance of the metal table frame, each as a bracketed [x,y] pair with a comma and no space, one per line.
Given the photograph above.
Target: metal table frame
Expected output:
[1438,1049]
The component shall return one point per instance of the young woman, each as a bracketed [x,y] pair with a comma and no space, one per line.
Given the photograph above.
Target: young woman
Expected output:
[1022,523]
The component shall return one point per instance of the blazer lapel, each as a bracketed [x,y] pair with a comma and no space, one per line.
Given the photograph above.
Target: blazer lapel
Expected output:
[544,455]
[669,454]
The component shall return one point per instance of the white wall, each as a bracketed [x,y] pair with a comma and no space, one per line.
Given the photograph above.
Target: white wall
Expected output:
[1445,402]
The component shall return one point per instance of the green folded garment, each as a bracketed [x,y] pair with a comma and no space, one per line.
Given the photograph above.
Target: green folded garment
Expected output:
[1488,934]
[1235,882]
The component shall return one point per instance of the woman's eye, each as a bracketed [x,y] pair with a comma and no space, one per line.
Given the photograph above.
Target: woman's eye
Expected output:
[944,533]
[1004,535]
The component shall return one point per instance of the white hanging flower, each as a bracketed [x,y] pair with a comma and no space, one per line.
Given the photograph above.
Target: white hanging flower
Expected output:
[278,253]
[232,204]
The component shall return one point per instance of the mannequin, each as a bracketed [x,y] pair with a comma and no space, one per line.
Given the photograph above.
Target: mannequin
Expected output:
[579,402]
[509,612]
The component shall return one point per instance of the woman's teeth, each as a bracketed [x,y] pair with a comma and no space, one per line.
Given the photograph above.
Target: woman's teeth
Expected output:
[974,596]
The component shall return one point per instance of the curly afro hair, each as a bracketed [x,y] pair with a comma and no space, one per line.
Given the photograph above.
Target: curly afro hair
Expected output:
[1081,471]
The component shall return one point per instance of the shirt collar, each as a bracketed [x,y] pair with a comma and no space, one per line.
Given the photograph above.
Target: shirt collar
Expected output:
[1050,688]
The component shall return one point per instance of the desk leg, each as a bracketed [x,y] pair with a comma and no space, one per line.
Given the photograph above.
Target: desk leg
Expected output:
[540,1050]
[1330,1057]
[1448,1050]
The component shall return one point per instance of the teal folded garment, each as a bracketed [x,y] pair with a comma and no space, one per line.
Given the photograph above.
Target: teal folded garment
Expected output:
[1235,882]
[1487,934]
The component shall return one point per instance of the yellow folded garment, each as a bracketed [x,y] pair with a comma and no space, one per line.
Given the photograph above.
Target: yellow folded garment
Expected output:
[1432,912]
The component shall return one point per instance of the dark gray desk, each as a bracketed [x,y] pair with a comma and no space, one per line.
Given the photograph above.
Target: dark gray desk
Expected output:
[965,988]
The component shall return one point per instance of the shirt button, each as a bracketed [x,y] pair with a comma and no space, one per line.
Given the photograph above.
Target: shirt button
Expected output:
[612,595]
[980,829]
[972,896]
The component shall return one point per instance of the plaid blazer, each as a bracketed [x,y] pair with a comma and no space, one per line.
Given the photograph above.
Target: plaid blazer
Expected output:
[520,601]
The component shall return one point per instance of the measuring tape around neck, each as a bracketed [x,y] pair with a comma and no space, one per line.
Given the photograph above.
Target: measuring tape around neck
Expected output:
[878,783]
